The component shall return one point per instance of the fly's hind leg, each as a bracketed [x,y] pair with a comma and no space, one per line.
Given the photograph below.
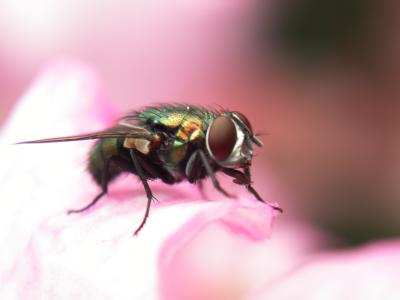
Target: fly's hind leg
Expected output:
[149,193]
[105,176]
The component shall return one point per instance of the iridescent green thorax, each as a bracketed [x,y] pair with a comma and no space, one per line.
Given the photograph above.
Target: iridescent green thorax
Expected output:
[173,116]
[185,125]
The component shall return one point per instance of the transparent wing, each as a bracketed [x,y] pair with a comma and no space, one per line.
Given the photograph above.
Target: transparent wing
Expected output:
[130,121]
[115,132]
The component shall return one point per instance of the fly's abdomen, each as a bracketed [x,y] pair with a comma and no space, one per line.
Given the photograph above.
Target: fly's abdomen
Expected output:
[102,151]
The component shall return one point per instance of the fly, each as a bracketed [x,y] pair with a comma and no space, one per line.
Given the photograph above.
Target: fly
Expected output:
[172,143]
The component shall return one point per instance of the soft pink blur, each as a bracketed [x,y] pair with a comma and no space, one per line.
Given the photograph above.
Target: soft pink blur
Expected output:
[368,273]
[144,51]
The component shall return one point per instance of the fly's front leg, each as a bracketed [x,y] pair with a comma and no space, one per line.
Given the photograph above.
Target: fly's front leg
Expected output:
[210,172]
[245,179]
[146,186]
[195,172]
[200,186]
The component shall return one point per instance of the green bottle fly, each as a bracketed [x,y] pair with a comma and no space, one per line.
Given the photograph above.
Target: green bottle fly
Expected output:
[171,143]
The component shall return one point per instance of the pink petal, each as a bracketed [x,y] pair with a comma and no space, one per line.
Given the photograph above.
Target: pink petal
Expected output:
[95,255]
[225,251]
[40,180]
[48,254]
[367,273]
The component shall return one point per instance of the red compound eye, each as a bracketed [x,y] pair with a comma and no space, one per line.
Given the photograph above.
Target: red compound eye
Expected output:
[245,121]
[222,137]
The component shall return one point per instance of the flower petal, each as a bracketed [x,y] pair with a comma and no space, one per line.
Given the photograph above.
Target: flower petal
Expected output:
[40,180]
[210,256]
[367,273]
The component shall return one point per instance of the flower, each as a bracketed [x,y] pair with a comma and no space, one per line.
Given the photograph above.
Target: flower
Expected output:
[48,254]
[190,248]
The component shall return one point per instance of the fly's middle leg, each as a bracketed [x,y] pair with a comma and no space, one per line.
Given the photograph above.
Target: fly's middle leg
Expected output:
[149,193]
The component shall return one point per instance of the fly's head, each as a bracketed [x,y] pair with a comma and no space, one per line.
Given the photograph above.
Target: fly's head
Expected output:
[230,140]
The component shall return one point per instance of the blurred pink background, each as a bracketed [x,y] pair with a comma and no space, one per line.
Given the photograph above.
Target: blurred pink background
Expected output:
[330,128]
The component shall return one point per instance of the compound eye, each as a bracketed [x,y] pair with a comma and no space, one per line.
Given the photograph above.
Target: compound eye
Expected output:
[245,121]
[222,137]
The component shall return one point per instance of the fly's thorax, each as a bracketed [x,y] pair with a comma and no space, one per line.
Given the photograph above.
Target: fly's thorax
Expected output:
[171,155]
[171,117]
[186,133]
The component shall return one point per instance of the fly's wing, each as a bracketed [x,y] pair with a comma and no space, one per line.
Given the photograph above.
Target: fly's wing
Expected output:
[116,132]
[130,121]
